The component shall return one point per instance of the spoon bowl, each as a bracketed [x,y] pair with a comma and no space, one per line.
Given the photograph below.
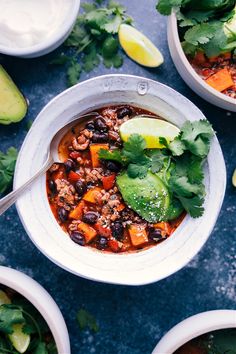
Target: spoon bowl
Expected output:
[52,157]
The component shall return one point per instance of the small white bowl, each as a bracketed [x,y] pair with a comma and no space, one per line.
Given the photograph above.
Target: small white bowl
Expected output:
[42,301]
[136,268]
[189,75]
[193,327]
[52,42]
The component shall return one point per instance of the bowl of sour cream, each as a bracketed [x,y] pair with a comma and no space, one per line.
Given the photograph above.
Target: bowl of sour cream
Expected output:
[31,28]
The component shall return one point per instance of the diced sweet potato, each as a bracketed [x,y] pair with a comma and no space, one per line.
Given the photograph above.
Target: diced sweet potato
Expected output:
[120,207]
[221,80]
[94,151]
[164,226]
[93,195]
[88,231]
[77,213]
[138,234]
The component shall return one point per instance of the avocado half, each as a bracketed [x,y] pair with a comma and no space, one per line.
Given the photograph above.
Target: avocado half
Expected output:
[149,197]
[13,106]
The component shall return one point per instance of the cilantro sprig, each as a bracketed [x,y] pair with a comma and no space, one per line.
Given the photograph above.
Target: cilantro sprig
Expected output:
[7,167]
[86,320]
[180,163]
[93,40]
[205,24]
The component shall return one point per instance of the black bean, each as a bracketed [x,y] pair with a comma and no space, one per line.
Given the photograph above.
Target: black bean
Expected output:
[63,214]
[80,187]
[90,217]
[117,230]
[77,237]
[90,126]
[100,124]
[99,137]
[124,111]
[155,235]
[69,165]
[113,166]
[52,186]
[102,242]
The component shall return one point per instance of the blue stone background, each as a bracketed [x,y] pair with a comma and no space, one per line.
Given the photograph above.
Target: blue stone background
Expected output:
[131,319]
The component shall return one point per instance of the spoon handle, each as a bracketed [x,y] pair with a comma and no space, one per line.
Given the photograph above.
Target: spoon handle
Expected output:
[11,198]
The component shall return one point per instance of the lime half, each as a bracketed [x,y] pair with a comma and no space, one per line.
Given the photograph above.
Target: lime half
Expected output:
[4,299]
[19,339]
[150,129]
[138,47]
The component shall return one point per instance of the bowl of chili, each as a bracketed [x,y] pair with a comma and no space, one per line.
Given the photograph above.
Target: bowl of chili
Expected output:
[202,74]
[204,333]
[67,213]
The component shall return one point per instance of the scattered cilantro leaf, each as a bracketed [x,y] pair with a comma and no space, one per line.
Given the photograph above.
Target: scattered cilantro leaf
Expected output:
[86,320]
[114,155]
[182,187]
[193,206]
[199,34]
[136,170]
[7,167]
[177,146]
[94,39]
[41,348]
[165,6]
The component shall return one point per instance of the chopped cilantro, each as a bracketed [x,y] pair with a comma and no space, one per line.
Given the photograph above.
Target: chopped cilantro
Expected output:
[86,320]
[7,167]
[93,40]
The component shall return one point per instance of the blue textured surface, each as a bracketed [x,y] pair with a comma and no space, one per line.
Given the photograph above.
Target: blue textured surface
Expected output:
[131,320]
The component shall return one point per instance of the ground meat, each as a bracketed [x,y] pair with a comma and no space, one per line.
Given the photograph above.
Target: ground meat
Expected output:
[54,167]
[93,175]
[66,194]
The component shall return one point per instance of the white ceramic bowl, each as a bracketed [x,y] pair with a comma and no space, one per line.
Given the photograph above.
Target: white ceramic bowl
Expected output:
[193,327]
[50,43]
[133,268]
[42,301]
[189,75]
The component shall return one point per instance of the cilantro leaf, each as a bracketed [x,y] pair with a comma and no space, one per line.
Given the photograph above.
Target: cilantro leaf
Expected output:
[158,160]
[182,187]
[196,136]
[177,146]
[41,348]
[165,6]
[218,41]
[193,206]
[73,73]
[199,34]
[114,155]
[136,170]
[134,149]
[7,167]
[9,315]
[86,320]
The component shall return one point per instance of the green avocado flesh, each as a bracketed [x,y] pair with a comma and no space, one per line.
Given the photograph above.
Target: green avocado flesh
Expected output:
[148,197]
[13,106]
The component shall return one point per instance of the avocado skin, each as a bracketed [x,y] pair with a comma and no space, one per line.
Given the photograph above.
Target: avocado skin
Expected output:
[149,196]
[13,106]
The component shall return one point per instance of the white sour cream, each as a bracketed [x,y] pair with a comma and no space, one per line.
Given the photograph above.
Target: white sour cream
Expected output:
[25,23]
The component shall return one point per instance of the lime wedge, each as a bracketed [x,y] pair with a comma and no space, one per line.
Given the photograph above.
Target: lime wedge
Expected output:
[19,339]
[4,299]
[150,129]
[234,178]
[138,47]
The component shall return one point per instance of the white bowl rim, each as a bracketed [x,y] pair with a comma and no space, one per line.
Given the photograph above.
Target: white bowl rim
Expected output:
[42,301]
[172,21]
[193,327]
[102,275]
[49,42]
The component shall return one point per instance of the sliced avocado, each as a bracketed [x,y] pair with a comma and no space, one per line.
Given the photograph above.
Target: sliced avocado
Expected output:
[149,196]
[13,106]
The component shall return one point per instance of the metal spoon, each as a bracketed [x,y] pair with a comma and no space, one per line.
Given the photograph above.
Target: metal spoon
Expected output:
[52,157]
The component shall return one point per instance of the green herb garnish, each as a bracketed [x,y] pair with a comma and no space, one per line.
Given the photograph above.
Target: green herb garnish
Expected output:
[179,164]
[7,167]
[205,25]
[86,320]
[94,40]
